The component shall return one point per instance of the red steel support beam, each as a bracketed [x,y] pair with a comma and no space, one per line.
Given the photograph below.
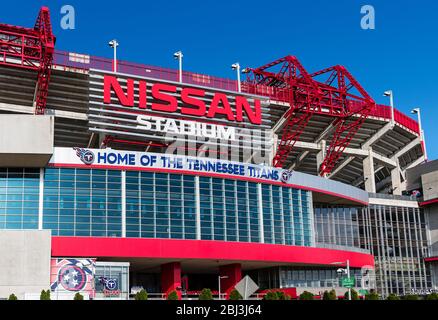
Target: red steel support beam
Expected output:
[30,49]
[308,95]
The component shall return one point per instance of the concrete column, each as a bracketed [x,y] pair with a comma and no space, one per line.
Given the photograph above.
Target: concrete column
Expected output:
[171,278]
[321,155]
[396,181]
[233,272]
[368,172]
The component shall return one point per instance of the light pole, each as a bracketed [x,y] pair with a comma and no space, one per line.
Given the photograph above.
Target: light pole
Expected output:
[179,55]
[390,94]
[347,271]
[236,66]
[219,284]
[114,44]
[417,111]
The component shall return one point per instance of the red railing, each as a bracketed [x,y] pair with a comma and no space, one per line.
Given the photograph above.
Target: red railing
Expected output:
[382,111]
[85,62]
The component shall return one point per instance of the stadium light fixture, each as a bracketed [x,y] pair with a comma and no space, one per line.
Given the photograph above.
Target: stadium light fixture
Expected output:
[390,94]
[114,44]
[417,111]
[236,66]
[179,56]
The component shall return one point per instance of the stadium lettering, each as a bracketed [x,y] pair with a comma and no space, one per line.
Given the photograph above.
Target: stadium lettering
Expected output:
[192,100]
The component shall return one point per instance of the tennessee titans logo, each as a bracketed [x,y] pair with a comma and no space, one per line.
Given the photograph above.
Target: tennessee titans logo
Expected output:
[86,156]
[72,278]
[285,176]
[110,284]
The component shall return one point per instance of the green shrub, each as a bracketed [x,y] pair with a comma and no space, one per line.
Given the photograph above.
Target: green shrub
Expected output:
[372,296]
[307,296]
[411,297]
[282,296]
[235,295]
[432,296]
[78,296]
[271,295]
[141,295]
[354,295]
[45,295]
[173,295]
[12,297]
[206,294]
[392,296]
[329,295]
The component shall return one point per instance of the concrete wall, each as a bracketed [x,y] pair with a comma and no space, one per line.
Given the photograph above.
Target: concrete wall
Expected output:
[432,218]
[26,140]
[24,262]
[430,185]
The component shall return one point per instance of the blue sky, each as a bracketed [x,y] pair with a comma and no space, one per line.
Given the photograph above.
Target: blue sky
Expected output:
[400,54]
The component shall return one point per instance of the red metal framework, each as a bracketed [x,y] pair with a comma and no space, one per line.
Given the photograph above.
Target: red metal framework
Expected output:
[30,49]
[332,91]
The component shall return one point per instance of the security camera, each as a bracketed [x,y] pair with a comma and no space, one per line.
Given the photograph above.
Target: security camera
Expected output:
[177,55]
[340,271]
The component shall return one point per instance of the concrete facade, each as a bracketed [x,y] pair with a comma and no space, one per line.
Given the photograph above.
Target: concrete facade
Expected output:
[25,262]
[430,185]
[432,219]
[26,140]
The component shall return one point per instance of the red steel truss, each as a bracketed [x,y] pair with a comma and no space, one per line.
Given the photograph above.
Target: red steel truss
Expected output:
[30,49]
[332,91]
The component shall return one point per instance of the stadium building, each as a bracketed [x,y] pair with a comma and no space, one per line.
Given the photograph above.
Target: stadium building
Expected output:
[116,176]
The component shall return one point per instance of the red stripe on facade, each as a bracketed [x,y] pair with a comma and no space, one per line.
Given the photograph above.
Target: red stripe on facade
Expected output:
[203,250]
[206,174]
[429,202]
[431,259]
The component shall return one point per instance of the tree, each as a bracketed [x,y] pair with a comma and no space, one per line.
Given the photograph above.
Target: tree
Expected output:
[393,297]
[432,296]
[12,297]
[372,296]
[270,295]
[306,296]
[78,296]
[45,295]
[235,295]
[206,294]
[141,295]
[354,295]
[173,295]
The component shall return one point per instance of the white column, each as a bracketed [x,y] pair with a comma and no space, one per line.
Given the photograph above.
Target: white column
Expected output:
[368,172]
[260,209]
[123,204]
[198,209]
[321,156]
[396,181]
[41,200]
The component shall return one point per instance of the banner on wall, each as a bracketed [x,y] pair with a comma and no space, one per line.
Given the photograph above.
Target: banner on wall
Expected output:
[70,276]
